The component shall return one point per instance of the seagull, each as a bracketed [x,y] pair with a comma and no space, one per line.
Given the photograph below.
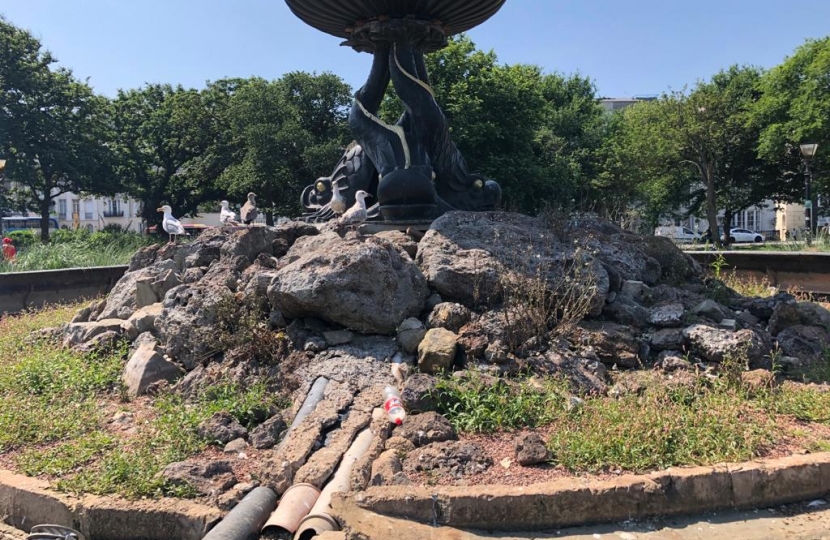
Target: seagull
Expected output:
[172,226]
[227,216]
[249,211]
[338,203]
[356,214]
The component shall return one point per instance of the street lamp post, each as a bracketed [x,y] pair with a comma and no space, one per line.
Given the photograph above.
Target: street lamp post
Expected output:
[2,189]
[808,152]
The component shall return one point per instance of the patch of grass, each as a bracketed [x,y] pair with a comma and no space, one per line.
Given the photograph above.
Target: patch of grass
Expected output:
[481,403]
[660,429]
[53,404]
[78,248]
[748,285]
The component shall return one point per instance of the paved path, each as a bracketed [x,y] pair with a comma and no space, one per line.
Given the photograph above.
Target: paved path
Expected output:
[785,523]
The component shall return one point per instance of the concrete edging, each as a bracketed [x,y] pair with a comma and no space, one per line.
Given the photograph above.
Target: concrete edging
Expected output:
[26,502]
[574,502]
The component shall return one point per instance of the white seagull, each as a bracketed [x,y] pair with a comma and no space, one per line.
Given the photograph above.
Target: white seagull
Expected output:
[249,211]
[172,226]
[356,214]
[338,203]
[226,215]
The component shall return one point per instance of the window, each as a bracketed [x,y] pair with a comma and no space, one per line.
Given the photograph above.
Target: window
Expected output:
[61,208]
[113,208]
[88,209]
[76,207]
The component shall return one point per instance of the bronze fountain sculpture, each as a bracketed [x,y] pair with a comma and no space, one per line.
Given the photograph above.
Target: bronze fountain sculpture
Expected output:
[412,168]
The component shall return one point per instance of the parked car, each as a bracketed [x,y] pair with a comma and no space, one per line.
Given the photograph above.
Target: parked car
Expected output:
[744,235]
[678,234]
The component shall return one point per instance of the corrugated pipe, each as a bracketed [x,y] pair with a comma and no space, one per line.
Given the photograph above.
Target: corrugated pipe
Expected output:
[319,520]
[245,520]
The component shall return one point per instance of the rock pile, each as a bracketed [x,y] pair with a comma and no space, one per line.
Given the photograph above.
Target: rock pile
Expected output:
[479,290]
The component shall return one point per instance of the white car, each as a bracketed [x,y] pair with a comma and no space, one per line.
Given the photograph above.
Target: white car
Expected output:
[745,235]
[680,235]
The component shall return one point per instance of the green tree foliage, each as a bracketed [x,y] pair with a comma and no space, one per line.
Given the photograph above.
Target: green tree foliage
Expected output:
[52,127]
[710,133]
[533,133]
[795,107]
[172,145]
[286,133]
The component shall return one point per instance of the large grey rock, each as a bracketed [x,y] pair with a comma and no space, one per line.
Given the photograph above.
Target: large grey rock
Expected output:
[785,315]
[267,434]
[287,233]
[249,243]
[807,343]
[208,478]
[363,283]
[667,339]
[448,315]
[425,428]
[717,345]
[419,393]
[121,301]
[667,315]
[410,333]
[221,427]
[711,310]
[146,367]
[626,311]
[436,352]
[614,344]
[144,319]
[473,258]
[530,449]
[455,458]
[78,333]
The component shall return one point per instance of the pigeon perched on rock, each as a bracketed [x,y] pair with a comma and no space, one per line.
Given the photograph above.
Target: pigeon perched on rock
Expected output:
[249,211]
[226,215]
[172,226]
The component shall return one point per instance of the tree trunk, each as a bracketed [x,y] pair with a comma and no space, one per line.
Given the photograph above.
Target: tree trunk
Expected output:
[44,219]
[269,217]
[711,202]
[727,226]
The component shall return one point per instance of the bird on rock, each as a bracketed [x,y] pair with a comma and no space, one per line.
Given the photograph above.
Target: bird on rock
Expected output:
[355,215]
[226,215]
[249,212]
[172,226]
[338,203]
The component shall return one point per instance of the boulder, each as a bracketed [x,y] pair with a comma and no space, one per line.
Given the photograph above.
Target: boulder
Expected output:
[474,258]
[287,233]
[210,478]
[419,393]
[121,301]
[267,434]
[147,367]
[711,310]
[410,333]
[337,337]
[807,343]
[633,290]
[785,315]
[425,428]
[248,243]
[667,315]
[530,449]
[448,315]
[672,361]
[384,468]
[235,446]
[221,427]
[455,458]
[614,344]
[625,311]
[667,339]
[78,333]
[144,319]
[436,352]
[361,283]
[716,345]
[403,241]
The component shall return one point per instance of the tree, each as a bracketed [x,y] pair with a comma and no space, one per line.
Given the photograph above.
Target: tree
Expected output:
[286,133]
[709,131]
[172,145]
[795,108]
[532,132]
[52,127]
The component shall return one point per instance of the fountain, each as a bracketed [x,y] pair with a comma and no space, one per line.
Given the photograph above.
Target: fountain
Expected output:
[411,168]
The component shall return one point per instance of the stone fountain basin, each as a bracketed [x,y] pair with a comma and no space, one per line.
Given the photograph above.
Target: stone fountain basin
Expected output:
[336,17]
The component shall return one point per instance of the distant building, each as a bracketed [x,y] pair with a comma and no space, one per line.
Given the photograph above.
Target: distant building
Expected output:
[615,104]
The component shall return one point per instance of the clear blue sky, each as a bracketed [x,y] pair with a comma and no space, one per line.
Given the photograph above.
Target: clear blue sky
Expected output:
[627,48]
